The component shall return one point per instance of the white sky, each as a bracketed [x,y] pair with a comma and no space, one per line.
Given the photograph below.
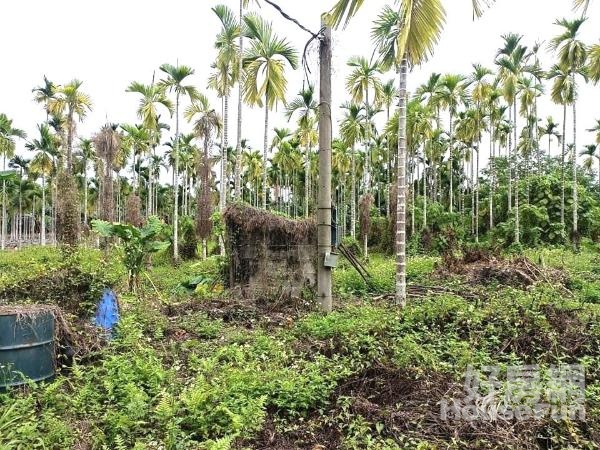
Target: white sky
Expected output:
[110,43]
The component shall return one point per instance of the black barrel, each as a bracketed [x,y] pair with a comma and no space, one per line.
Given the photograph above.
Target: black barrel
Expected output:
[26,346]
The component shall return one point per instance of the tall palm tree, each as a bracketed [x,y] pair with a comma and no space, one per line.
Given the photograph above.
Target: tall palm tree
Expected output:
[223,80]
[481,91]
[153,98]
[511,60]
[341,164]
[572,55]
[207,125]
[529,90]
[8,134]
[22,165]
[551,130]
[403,38]
[429,92]
[308,137]
[138,139]
[42,163]
[240,71]
[591,153]
[111,158]
[344,10]
[468,130]
[361,83]
[253,171]
[188,157]
[419,132]
[352,130]
[562,93]
[282,136]
[71,101]
[306,109]
[537,73]
[174,82]
[86,146]
[44,93]
[265,82]
[496,114]
[452,95]
[389,97]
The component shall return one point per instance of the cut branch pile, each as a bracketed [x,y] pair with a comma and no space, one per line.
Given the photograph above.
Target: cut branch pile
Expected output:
[480,267]
[421,291]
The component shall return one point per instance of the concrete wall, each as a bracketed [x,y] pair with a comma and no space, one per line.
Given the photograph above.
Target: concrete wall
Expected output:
[272,264]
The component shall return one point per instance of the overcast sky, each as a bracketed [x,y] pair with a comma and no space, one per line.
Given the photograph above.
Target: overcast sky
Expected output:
[110,43]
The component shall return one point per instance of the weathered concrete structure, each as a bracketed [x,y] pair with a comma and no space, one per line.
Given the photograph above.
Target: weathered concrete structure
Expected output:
[271,256]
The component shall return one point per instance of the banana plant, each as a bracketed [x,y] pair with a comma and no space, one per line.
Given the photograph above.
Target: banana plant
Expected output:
[138,244]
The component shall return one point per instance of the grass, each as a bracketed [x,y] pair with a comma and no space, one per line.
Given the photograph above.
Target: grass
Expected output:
[179,377]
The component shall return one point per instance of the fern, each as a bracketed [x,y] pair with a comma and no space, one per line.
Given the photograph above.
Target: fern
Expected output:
[119,443]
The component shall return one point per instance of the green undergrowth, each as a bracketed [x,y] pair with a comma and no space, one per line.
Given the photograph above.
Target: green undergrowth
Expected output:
[176,377]
[72,280]
[348,282]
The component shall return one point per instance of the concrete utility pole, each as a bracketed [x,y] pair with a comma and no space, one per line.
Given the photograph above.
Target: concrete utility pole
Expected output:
[324,204]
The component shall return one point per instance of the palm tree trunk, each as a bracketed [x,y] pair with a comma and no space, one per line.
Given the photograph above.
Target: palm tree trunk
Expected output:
[367,146]
[537,136]
[412,195]
[224,178]
[238,146]
[149,194]
[517,226]
[472,191]
[451,168]
[562,168]
[434,175]
[509,158]
[85,192]
[265,155]
[184,196]
[388,171]
[575,197]
[70,143]
[306,180]
[3,243]
[43,218]
[176,185]
[424,196]
[492,178]
[477,198]
[344,208]
[353,194]
[20,220]
[401,191]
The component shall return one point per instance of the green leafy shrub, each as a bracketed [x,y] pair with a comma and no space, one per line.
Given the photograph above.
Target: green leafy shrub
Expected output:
[138,244]
[73,281]
[380,234]
[188,248]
